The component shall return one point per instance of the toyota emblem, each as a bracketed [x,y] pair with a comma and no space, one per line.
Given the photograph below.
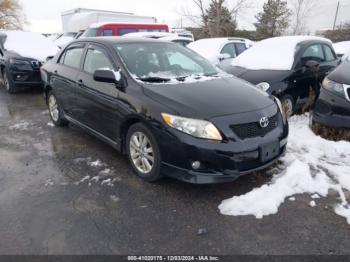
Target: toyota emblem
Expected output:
[264,122]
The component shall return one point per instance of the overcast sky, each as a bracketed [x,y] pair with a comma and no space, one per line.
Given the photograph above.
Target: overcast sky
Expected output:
[44,15]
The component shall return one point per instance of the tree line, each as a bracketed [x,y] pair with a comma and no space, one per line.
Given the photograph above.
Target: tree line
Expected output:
[218,18]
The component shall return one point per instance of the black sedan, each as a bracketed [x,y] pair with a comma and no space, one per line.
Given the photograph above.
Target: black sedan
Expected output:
[333,105]
[166,107]
[21,56]
[287,67]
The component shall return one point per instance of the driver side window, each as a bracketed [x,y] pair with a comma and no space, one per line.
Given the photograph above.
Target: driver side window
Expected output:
[96,59]
[230,50]
[313,52]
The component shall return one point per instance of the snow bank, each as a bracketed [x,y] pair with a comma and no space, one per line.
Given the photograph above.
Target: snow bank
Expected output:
[273,54]
[27,44]
[312,166]
[342,48]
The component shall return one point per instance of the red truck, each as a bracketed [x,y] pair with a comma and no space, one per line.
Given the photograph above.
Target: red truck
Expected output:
[119,29]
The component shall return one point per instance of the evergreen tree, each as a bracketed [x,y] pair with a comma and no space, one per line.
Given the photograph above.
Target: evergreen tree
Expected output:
[273,20]
[219,20]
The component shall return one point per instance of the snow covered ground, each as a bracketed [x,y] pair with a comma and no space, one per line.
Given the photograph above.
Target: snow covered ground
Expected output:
[312,165]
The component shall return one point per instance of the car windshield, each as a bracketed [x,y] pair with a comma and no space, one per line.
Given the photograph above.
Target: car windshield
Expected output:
[162,62]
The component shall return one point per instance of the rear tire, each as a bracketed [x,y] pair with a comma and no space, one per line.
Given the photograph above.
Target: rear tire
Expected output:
[288,105]
[56,113]
[143,152]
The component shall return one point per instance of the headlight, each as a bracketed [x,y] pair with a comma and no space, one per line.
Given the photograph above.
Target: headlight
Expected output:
[264,86]
[193,127]
[334,87]
[284,116]
[18,62]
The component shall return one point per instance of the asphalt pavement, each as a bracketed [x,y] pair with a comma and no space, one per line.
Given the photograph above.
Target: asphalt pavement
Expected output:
[63,191]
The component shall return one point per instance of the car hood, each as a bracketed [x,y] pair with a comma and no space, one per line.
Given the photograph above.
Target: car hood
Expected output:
[341,73]
[208,99]
[258,76]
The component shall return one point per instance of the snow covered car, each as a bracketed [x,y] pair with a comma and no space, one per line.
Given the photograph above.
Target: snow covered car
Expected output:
[220,51]
[341,49]
[21,56]
[287,67]
[64,39]
[168,109]
[333,105]
[170,37]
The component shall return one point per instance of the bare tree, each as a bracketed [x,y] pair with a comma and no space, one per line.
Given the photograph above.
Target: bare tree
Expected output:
[302,10]
[11,16]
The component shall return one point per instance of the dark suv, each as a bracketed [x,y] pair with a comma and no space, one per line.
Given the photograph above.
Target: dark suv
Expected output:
[333,105]
[287,67]
[166,107]
[21,56]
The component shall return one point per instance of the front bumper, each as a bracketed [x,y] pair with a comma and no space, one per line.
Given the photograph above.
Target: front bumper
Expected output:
[26,78]
[220,161]
[214,177]
[332,110]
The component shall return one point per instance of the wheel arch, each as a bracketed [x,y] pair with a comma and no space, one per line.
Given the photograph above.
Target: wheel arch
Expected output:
[125,126]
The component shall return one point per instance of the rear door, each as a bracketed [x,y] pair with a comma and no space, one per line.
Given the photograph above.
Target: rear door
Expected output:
[97,101]
[64,76]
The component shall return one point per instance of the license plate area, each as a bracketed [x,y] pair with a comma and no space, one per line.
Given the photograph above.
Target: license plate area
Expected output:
[269,151]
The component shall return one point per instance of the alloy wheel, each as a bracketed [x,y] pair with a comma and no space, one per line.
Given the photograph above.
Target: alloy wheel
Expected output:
[288,107]
[53,108]
[141,152]
[6,83]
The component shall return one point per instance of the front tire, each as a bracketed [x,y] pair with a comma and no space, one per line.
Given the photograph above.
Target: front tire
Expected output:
[143,152]
[288,105]
[56,113]
[8,83]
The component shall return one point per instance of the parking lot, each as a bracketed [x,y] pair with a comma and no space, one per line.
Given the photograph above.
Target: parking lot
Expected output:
[65,192]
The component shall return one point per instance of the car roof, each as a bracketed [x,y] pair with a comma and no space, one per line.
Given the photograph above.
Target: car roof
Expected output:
[115,40]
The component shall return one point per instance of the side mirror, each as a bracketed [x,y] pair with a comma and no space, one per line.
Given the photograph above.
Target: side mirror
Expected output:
[106,76]
[310,65]
[224,57]
[49,58]
[109,76]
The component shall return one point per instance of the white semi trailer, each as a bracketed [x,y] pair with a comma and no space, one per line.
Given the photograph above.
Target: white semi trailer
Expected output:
[80,19]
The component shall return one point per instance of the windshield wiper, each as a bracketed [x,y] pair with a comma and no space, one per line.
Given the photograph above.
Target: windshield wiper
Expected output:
[153,79]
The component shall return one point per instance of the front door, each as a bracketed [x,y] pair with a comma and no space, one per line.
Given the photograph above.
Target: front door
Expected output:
[97,101]
[229,51]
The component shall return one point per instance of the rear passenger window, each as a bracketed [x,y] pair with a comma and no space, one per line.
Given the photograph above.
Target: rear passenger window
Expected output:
[107,32]
[72,57]
[330,56]
[96,59]
[240,48]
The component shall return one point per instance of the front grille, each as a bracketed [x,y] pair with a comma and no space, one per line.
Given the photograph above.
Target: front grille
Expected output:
[254,129]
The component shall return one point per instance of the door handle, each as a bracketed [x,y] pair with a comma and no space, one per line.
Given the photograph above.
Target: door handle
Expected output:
[55,72]
[80,82]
